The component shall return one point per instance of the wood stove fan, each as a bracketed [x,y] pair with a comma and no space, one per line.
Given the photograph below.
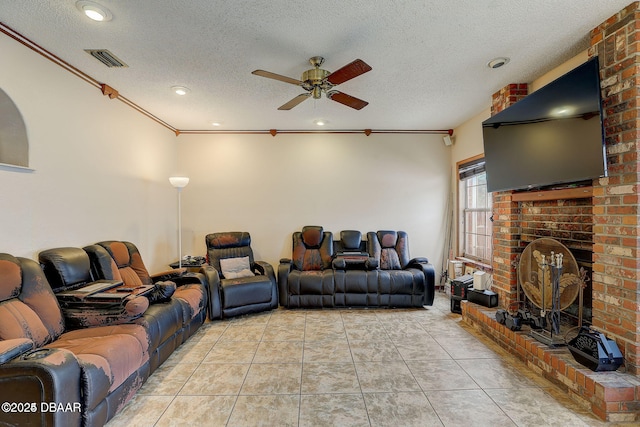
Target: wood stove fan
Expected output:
[316,81]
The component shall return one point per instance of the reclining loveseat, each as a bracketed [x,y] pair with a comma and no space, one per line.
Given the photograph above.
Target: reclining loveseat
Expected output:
[383,276]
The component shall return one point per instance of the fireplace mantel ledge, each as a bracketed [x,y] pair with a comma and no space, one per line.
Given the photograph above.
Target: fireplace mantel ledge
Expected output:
[563,193]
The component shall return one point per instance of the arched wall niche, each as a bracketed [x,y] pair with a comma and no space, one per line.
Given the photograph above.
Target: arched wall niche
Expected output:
[14,145]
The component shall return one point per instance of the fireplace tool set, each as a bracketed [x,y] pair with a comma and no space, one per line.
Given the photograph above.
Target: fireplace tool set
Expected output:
[551,283]
[551,336]
[548,274]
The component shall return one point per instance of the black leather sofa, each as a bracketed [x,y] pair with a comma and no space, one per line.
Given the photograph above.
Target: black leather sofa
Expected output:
[55,376]
[384,276]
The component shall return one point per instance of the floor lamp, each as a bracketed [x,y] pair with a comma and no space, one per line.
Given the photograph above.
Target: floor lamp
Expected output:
[179,182]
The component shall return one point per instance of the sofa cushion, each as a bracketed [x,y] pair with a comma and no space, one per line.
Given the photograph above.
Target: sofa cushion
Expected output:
[389,259]
[34,313]
[20,321]
[312,236]
[11,277]
[238,293]
[351,239]
[235,268]
[193,299]
[108,355]
[65,268]
[128,260]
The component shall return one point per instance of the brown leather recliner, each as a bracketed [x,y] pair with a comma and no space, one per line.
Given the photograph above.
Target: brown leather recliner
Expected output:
[91,372]
[68,272]
[122,261]
[245,285]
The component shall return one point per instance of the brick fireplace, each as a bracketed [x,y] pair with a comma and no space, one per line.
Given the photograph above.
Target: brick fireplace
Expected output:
[598,222]
[603,220]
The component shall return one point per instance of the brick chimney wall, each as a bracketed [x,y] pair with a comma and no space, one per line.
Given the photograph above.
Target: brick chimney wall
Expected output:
[614,223]
[506,215]
[616,269]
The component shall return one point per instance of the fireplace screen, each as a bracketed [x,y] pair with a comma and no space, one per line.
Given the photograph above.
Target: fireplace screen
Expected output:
[535,277]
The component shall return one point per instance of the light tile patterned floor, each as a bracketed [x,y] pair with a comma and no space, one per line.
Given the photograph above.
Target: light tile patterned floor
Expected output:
[344,368]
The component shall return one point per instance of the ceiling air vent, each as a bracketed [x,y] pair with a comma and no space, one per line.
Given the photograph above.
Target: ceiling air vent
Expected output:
[106,57]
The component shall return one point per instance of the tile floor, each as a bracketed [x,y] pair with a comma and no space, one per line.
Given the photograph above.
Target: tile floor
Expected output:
[347,368]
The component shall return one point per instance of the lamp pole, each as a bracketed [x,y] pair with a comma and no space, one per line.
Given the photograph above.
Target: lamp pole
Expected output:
[179,182]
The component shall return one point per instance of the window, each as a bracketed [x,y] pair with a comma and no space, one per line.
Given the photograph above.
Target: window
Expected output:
[475,227]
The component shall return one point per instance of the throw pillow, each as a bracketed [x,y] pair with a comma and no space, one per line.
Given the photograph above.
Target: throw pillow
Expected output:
[235,268]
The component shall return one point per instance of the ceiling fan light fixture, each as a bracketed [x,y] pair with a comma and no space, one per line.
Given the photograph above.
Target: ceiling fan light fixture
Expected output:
[94,11]
[180,90]
[498,62]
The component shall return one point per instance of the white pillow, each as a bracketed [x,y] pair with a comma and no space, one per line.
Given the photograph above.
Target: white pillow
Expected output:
[235,268]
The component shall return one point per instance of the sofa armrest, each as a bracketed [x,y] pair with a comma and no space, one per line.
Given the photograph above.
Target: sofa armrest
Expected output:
[266,269]
[39,380]
[212,278]
[371,263]
[339,264]
[429,278]
[188,278]
[168,274]
[284,268]
[10,349]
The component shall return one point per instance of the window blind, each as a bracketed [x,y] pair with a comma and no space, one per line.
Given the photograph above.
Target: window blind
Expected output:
[471,169]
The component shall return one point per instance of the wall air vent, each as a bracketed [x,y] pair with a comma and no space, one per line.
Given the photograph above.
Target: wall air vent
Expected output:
[106,57]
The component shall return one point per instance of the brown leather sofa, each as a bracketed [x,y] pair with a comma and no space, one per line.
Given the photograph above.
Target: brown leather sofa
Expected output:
[51,375]
[382,276]
[91,372]
[114,259]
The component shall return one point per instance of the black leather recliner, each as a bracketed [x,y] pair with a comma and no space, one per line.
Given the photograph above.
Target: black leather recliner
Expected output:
[405,281]
[244,284]
[306,279]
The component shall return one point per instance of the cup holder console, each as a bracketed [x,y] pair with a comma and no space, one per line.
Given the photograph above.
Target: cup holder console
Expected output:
[37,354]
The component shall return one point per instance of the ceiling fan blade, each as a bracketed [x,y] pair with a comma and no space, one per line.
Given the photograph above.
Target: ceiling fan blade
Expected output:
[278,77]
[348,100]
[349,71]
[295,101]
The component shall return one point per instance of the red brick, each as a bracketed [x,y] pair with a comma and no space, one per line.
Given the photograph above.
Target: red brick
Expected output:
[619,394]
[590,386]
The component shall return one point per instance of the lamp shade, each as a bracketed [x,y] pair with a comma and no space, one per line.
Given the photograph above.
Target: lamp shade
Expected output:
[179,181]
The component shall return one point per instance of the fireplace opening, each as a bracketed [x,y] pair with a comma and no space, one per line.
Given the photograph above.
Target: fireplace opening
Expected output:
[570,222]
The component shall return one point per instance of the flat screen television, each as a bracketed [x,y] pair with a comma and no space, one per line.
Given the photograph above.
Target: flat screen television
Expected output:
[553,136]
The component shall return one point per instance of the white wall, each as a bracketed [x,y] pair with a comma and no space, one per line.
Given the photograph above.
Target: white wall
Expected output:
[100,168]
[273,186]
[101,172]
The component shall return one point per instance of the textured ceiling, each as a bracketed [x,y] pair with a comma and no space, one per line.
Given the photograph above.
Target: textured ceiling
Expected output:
[428,56]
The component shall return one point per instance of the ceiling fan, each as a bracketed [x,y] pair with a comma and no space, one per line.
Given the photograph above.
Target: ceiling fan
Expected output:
[316,80]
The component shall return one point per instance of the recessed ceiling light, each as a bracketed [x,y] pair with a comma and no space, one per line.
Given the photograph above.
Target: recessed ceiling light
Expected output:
[320,122]
[498,62]
[216,124]
[94,11]
[180,90]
